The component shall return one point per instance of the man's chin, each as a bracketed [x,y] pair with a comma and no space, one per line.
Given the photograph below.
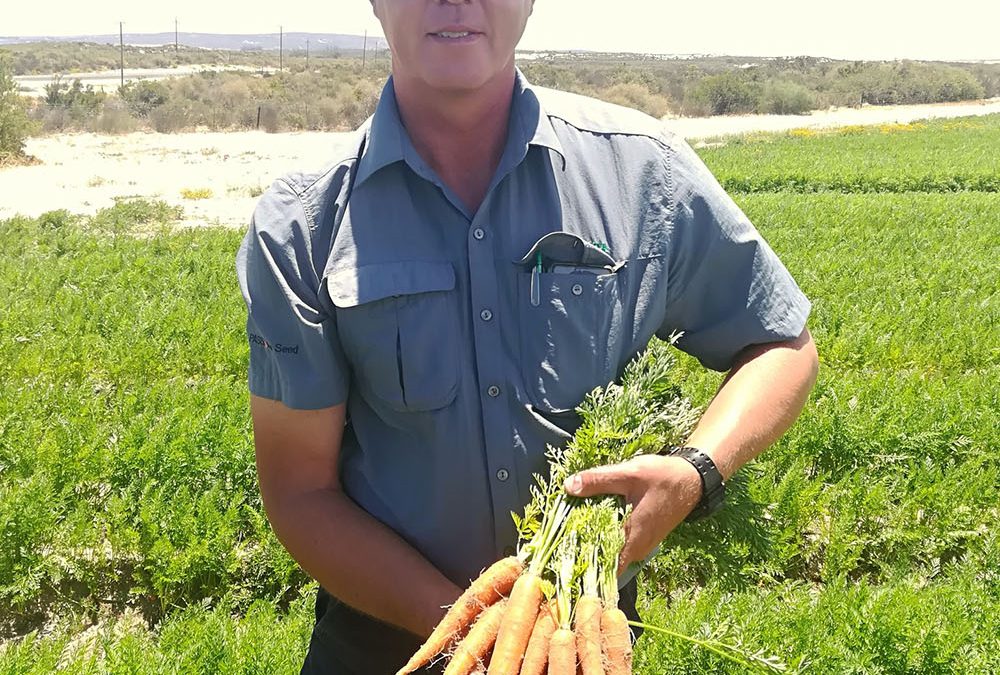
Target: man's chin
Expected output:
[457,81]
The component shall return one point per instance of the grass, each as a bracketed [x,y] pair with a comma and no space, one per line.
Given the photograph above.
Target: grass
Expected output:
[131,532]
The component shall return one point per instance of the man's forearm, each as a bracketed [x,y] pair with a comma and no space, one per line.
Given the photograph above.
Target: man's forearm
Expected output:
[758,401]
[361,561]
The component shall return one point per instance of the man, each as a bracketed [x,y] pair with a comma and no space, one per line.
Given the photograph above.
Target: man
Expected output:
[425,313]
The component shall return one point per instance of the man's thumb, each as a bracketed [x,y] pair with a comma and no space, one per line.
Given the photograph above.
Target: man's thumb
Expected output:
[605,480]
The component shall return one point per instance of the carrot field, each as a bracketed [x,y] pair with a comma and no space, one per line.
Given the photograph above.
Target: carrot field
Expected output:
[132,537]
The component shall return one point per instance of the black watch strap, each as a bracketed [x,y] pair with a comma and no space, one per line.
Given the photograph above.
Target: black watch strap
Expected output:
[713,487]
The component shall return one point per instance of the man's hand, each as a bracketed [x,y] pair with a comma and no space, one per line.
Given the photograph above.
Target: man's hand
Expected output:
[758,400]
[661,490]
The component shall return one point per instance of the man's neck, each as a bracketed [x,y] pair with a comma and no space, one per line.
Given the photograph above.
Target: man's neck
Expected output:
[462,136]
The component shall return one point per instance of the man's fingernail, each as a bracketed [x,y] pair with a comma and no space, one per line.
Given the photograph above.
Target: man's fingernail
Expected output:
[574,483]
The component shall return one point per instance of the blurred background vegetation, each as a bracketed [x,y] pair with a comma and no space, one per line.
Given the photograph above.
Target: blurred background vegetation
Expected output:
[337,90]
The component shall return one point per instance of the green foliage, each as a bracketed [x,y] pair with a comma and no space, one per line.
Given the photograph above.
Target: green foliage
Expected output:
[782,97]
[231,100]
[199,639]
[864,541]
[909,82]
[930,156]
[62,94]
[15,126]
[126,468]
[727,93]
[69,105]
[143,96]
[336,93]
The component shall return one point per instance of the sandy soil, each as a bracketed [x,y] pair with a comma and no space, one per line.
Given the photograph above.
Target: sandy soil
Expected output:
[86,172]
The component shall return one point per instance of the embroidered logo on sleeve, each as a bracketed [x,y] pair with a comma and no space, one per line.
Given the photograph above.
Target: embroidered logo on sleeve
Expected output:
[257,340]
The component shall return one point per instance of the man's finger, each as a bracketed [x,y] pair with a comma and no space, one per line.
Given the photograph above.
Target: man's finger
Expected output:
[605,480]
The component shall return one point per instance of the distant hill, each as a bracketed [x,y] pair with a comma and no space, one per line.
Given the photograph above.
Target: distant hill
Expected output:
[257,41]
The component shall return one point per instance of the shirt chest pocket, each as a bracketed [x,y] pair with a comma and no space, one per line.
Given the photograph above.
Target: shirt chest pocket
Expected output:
[398,325]
[570,322]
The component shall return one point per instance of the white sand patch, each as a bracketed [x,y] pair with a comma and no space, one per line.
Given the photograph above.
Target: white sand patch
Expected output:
[87,172]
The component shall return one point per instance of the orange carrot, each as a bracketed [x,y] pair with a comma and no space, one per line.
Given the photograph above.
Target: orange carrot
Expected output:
[485,591]
[518,622]
[473,650]
[587,625]
[536,655]
[562,653]
[616,641]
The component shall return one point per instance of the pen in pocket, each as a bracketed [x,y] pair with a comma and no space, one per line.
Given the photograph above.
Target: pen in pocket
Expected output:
[536,280]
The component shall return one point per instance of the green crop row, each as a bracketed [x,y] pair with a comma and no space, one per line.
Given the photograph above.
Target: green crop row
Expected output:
[932,156]
[127,480]
[126,464]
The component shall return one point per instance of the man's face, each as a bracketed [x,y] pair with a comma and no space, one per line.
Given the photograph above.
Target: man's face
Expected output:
[451,61]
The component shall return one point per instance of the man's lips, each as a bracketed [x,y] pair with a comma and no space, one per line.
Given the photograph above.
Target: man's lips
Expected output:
[455,37]
[455,32]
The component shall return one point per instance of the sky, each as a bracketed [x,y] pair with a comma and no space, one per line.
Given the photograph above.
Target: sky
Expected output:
[852,29]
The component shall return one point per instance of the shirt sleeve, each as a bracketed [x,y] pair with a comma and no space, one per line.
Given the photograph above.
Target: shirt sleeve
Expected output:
[726,288]
[295,355]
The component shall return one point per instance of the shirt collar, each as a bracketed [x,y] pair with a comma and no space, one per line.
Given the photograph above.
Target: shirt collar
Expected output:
[386,141]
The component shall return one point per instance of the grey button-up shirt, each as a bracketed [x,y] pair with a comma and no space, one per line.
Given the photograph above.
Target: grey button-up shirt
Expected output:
[460,341]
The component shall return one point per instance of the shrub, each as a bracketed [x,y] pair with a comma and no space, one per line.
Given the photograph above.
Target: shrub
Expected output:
[169,117]
[782,97]
[726,94]
[114,119]
[143,96]
[53,119]
[635,95]
[269,117]
[62,94]
[15,125]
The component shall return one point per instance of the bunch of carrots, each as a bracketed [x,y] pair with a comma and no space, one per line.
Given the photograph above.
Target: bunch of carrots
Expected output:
[553,607]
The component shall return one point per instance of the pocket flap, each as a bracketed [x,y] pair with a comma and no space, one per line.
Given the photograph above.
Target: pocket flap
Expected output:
[356,286]
[566,247]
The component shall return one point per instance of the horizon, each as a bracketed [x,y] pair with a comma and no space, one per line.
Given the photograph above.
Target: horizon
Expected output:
[520,48]
[771,28]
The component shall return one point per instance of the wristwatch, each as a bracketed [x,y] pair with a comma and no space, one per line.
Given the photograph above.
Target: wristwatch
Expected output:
[713,488]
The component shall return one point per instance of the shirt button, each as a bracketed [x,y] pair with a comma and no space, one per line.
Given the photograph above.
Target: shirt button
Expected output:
[577,289]
[478,233]
[503,474]
[486,315]
[493,391]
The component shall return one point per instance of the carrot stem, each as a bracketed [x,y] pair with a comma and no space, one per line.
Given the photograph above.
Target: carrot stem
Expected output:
[728,652]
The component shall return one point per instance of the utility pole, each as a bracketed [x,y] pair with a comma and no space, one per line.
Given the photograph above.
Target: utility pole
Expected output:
[121,46]
[281,39]
[175,35]
[364,51]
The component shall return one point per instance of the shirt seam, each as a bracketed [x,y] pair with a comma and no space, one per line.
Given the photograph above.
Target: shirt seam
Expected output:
[664,145]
